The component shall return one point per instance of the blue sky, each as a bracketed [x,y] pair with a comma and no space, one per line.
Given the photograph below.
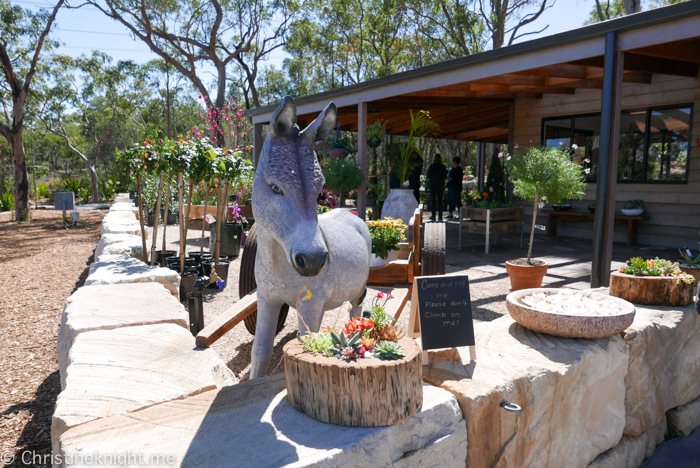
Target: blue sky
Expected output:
[87,29]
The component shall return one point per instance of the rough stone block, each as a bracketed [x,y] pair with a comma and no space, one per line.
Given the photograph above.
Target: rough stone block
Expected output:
[118,269]
[122,228]
[123,206]
[253,424]
[664,346]
[631,451]
[121,244]
[683,421]
[107,307]
[118,371]
[571,392]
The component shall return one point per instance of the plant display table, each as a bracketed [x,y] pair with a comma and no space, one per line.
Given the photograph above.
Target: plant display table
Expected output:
[651,290]
[496,221]
[630,222]
[365,392]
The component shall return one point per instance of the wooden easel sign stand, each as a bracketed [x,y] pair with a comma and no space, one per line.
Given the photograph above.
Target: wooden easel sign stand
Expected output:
[441,314]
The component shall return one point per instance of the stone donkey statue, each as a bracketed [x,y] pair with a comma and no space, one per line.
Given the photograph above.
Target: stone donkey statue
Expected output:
[297,247]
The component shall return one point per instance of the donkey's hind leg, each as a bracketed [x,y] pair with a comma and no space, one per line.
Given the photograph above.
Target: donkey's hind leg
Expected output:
[356,310]
[268,314]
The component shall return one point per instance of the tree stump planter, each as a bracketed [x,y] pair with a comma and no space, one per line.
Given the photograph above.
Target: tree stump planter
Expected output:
[650,290]
[365,392]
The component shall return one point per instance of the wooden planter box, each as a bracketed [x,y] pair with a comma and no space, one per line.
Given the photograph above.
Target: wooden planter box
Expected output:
[650,290]
[498,214]
[365,392]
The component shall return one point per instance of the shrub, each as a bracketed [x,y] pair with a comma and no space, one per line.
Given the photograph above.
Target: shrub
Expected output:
[342,175]
[7,201]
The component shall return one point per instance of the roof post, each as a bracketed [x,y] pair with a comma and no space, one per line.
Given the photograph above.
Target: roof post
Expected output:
[604,220]
[362,157]
[257,143]
[480,161]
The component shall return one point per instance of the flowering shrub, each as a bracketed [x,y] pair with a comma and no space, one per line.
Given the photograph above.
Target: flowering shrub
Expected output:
[226,126]
[637,266]
[386,235]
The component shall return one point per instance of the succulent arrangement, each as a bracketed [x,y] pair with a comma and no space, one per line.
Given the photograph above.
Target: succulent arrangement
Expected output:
[374,335]
[637,266]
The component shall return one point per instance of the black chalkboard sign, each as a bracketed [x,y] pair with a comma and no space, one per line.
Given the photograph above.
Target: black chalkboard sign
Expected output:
[444,310]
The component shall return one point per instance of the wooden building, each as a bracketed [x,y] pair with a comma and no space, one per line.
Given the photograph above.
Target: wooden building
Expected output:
[625,91]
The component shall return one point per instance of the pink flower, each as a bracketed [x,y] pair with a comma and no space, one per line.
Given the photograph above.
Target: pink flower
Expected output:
[500,155]
[587,161]
[490,189]
[380,295]
[244,133]
[200,96]
[516,146]
[205,98]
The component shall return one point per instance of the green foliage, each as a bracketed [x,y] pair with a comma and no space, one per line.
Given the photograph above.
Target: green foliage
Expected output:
[546,175]
[7,201]
[495,181]
[43,190]
[634,205]
[318,343]
[320,209]
[107,187]
[488,204]
[688,258]
[401,155]
[344,141]
[342,175]
[389,350]
[637,266]
[380,317]
[386,235]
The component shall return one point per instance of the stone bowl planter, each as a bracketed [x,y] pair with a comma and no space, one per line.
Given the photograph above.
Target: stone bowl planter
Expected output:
[365,392]
[635,212]
[568,326]
[651,290]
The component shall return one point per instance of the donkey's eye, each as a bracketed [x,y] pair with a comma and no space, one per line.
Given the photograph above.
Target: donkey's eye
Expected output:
[276,189]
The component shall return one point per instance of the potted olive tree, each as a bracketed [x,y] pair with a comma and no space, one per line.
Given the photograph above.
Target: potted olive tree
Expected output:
[541,175]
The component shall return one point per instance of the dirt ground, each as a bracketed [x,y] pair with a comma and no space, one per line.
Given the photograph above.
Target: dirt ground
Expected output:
[41,264]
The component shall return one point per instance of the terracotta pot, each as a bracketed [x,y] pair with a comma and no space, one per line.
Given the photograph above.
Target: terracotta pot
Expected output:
[525,276]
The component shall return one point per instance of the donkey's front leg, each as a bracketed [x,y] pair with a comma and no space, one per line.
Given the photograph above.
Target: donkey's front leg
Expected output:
[268,314]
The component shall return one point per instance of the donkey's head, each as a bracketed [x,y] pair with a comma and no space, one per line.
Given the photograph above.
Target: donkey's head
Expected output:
[287,182]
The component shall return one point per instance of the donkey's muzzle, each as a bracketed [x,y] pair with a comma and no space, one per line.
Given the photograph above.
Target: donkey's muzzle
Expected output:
[310,264]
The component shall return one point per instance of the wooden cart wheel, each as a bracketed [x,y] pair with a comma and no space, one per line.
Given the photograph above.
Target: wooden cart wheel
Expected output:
[434,249]
[246,281]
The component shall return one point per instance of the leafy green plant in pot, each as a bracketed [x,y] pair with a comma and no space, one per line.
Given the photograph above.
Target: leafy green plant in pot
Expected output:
[541,175]
[342,145]
[690,263]
[405,157]
[386,235]
[342,175]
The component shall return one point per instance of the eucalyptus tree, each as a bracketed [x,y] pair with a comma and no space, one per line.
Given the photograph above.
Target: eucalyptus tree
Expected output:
[505,18]
[452,27]
[23,38]
[103,97]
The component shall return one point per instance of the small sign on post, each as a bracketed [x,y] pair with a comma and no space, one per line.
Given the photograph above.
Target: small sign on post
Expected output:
[441,313]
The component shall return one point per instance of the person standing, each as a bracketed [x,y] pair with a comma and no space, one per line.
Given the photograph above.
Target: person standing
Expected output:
[454,187]
[437,173]
[414,175]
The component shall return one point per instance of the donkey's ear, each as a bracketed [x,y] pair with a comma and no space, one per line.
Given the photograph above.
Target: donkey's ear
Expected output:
[324,124]
[284,118]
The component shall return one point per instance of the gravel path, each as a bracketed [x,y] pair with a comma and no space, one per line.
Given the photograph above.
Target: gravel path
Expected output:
[41,264]
[488,295]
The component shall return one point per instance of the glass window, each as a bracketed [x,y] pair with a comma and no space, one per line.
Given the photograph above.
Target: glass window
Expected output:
[630,159]
[587,140]
[668,144]
[653,146]
[557,133]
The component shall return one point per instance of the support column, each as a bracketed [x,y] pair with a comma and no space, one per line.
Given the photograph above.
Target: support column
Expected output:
[480,170]
[257,142]
[604,221]
[511,148]
[362,157]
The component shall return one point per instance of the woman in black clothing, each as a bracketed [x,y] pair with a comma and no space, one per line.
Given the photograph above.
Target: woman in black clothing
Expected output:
[437,173]
[454,187]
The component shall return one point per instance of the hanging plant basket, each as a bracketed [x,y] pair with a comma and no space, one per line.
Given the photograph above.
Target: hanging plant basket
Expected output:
[337,153]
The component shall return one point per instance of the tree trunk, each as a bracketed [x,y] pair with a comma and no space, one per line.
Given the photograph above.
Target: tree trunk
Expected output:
[632,6]
[204,222]
[183,241]
[532,228]
[21,178]
[165,216]
[93,177]
[141,220]
[155,223]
